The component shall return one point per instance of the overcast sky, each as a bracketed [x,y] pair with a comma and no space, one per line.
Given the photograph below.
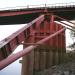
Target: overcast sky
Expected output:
[7,30]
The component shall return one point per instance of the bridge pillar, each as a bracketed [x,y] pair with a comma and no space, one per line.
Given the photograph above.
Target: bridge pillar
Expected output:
[46,55]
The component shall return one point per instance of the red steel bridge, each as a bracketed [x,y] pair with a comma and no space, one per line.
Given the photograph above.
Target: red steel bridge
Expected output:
[43,38]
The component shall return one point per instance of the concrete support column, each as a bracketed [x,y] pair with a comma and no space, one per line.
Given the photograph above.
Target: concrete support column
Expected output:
[27,64]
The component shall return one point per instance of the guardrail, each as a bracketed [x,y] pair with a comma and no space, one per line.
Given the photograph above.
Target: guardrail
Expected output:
[55,5]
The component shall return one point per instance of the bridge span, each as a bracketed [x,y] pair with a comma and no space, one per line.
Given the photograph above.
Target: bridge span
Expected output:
[28,13]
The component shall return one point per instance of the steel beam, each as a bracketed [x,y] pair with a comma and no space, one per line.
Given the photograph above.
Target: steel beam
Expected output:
[8,45]
[70,27]
[14,13]
[63,19]
[24,52]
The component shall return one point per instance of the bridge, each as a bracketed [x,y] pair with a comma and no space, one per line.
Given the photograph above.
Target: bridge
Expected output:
[43,38]
[25,14]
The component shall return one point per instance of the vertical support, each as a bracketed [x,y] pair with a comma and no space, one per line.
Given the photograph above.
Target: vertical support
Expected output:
[28,60]
[28,63]
[25,65]
[36,60]
[49,58]
[51,41]
[46,56]
[52,24]
[42,54]
[57,45]
[63,46]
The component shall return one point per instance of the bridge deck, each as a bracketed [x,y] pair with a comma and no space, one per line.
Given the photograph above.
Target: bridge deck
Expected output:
[20,15]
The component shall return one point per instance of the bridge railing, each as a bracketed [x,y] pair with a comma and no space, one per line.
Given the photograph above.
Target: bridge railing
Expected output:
[68,24]
[55,5]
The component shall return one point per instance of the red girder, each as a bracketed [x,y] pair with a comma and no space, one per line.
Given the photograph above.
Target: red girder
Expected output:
[37,30]
[13,13]
[24,52]
[10,43]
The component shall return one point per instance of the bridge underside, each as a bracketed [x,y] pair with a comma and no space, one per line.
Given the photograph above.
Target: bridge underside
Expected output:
[27,15]
[18,19]
[66,14]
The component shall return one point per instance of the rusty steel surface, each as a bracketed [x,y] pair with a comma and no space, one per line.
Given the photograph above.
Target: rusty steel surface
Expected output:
[16,56]
[8,45]
[42,30]
[50,55]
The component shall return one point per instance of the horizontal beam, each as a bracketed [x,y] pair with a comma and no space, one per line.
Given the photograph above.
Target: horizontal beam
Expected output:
[30,44]
[27,50]
[65,20]
[13,13]
[72,28]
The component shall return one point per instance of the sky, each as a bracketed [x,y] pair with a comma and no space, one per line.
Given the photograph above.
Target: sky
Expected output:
[19,3]
[15,68]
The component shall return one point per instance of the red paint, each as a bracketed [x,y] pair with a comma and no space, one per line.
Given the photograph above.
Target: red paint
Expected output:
[13,13]
[24,52]
[11,42]
[45,31]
